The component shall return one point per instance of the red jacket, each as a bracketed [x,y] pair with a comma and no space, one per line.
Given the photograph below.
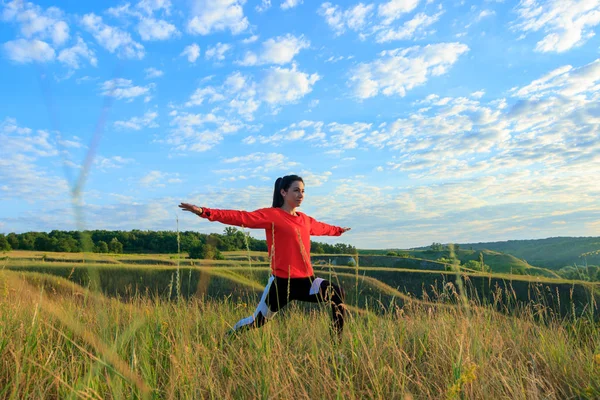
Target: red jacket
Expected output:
[288,236]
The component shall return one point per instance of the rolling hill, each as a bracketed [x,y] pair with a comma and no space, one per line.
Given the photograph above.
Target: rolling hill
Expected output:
[552,253]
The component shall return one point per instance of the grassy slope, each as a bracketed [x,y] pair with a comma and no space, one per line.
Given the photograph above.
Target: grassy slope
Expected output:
[214,279]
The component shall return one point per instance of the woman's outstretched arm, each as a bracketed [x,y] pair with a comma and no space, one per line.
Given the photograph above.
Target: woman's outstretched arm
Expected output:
[322,229]
[247,219]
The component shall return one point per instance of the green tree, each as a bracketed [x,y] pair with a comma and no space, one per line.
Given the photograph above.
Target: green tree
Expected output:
[436,247]
[13,240]
[63,245]
[4,245]
[45,243]
[101,247]
[216,240]
[27,241]
[317,248]
[115,246]
[85,241]
[206,252]
[67,244]
[477,266]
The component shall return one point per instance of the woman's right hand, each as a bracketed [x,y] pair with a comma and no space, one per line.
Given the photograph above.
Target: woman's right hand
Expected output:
[191,208]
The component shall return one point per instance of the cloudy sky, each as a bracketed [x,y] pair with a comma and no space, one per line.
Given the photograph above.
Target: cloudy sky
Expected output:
[411,121]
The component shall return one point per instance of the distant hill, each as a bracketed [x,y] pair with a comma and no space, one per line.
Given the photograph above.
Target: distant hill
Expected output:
[499,262]
[551,253]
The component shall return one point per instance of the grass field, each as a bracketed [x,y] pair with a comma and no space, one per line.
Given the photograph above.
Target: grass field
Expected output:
[59,339]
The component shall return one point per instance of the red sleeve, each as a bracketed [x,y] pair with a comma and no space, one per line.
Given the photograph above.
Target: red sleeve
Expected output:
[322,229]
[247,219]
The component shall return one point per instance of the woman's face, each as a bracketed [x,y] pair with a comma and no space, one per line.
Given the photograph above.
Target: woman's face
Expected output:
[294,195]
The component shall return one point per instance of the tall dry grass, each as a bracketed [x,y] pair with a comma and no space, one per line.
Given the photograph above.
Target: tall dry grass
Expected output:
[62,341]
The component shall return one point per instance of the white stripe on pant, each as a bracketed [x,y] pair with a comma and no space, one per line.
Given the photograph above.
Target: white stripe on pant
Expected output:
[262,308]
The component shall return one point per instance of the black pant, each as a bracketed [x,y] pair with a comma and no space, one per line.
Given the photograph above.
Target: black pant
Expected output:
[280,291]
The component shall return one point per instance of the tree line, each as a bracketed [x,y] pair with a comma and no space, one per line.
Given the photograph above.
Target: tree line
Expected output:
[157,242]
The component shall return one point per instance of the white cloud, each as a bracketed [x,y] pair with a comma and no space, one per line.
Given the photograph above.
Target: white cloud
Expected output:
[217,51]
[280,50]
[478,94]
[339,20]
[309,131]
[105,163]
[153,29]
[366,21]
[192,52]
[149,6]
[217,15]
[18,140]
[72,56]
[111,38]
[335,136]
[73,144]
[143,9]
[24,173]
[36,23]
[159,179]
[26,51]
[281,85]
[200,132]
[287,4]
[459,137]
[148,26]
[124,89]
[153,73]
[208,93]
[257,164]
[251,39]
[400,70]
[315,180]
[137,123]
[484,14]
[565,23]
[123,11]
[563,81]
[240,94]
[334,59]
[394,9]
[409,29]
[85,79]
[263,6]
[346,136]
[26,181]
[250,158]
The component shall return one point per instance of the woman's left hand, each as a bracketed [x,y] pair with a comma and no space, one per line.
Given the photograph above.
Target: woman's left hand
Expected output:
[344,230]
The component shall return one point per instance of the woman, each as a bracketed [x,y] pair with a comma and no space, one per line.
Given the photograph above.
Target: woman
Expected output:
[288,240]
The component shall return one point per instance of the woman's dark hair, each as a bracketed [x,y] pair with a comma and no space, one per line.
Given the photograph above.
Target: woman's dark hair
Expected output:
[283,183]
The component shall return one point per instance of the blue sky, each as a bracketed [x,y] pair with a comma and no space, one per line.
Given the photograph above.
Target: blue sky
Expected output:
[411,121]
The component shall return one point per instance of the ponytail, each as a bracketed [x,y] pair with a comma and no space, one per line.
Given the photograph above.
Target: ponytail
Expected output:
[283,183]
[277,197]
